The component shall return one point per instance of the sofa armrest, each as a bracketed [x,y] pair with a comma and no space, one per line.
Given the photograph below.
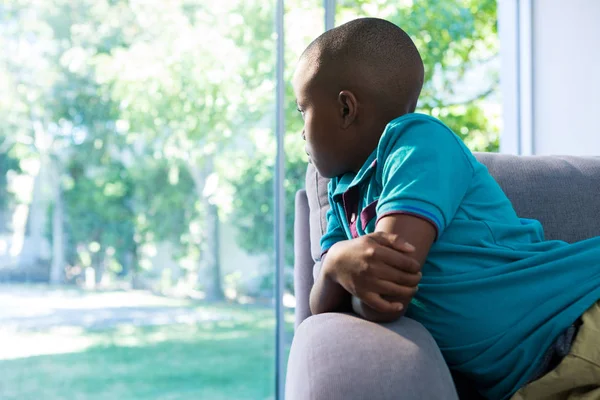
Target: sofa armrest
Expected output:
[303,262]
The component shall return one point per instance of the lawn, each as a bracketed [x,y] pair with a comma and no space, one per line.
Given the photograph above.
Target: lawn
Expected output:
[230,358]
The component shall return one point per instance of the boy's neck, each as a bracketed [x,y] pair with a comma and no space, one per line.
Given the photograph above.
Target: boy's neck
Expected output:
[370,141]
[372,133]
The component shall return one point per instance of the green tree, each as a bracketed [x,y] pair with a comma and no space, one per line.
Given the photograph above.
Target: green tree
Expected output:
[193,88]
[157,85]
[67,118]
[29,133]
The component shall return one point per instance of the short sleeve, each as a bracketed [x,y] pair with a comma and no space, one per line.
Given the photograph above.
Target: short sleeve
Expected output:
[335,231]
[425,170]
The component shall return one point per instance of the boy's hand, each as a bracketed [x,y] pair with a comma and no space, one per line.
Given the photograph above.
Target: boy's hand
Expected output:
[375,268]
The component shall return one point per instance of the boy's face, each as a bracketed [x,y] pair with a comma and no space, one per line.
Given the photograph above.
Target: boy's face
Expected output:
[326,144]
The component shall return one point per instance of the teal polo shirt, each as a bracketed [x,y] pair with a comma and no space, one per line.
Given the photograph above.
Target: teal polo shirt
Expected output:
[494,294]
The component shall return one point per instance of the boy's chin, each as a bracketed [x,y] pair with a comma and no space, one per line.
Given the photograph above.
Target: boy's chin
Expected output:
[325,173]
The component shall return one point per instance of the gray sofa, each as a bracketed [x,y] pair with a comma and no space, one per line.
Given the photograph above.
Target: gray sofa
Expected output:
[339,356]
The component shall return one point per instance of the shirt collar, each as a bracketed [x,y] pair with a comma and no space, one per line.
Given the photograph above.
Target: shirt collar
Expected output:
[350,179]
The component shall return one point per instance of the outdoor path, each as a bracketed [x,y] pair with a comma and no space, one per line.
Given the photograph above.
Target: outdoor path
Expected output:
[39,308]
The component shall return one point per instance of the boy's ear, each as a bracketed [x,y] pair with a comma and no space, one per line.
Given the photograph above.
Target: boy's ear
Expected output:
[348,107]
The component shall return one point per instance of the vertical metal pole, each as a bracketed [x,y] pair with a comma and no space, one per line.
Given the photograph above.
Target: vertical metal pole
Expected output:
[279,208]
[329,6]
[526,78]
[508,32]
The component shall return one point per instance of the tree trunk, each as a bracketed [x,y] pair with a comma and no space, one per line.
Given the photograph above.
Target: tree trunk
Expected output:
[210,267]
[57,268]
[99,267]
[133,267]
[210,252]
[4,224]
[33,242]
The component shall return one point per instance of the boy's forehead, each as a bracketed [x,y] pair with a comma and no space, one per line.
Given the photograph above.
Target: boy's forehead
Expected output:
[304,72]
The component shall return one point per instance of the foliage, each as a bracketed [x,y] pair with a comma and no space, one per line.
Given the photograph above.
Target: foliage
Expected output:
[148,116]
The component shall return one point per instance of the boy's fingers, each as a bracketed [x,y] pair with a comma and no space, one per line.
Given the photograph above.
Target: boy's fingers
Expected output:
[377,303]
[396,259]
[396,275]
[402,245]
[388,288]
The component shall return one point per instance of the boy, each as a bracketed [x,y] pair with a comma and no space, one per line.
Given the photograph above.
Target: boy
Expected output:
[412,208]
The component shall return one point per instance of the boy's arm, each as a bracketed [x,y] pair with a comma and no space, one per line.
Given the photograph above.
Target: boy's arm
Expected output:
[425,172]
[372,267]
[417,231]
[326,294]
[329,296]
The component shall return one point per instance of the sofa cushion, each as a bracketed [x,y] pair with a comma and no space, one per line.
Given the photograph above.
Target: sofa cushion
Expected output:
[318,204]
[562,192]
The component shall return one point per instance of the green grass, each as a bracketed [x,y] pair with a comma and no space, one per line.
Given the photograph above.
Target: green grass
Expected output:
[230,359]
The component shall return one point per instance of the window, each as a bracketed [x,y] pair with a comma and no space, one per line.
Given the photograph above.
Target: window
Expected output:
[137,168]
[136,259]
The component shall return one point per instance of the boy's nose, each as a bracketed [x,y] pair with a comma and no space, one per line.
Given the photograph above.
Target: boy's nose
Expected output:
[303,135]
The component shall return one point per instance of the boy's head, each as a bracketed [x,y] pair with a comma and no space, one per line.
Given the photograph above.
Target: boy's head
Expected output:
[349,83]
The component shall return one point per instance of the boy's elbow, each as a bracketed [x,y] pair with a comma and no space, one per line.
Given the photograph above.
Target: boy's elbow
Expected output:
[334,301]
[370,314]
[380,317]
[313,303]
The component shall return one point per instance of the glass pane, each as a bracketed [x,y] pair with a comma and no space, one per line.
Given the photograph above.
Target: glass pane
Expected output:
[304,21]
[458,41]
[136,229]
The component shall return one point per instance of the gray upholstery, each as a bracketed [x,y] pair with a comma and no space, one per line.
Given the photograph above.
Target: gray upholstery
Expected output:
[342,357]
[302,258]
[318,203]
[562,192]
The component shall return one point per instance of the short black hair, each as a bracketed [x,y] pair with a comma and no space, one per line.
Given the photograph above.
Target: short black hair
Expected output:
[374,54]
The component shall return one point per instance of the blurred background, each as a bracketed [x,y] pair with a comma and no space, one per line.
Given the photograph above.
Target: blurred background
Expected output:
[137,153]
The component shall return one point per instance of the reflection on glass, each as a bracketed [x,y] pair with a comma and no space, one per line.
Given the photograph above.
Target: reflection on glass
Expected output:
[135,208]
